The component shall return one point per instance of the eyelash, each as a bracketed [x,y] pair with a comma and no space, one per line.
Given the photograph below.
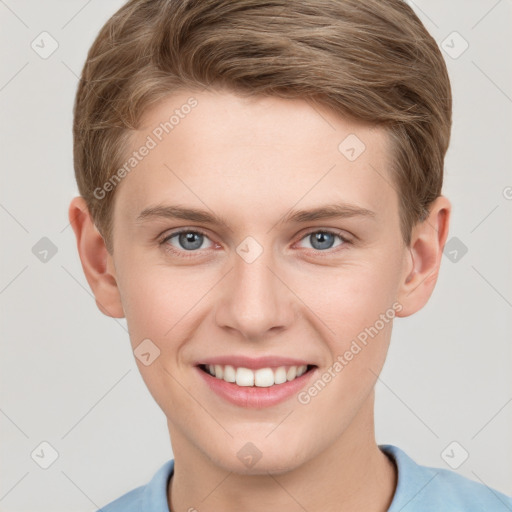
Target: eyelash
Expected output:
[172,250]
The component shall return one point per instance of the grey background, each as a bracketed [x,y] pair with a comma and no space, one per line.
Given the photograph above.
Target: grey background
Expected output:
[68,376]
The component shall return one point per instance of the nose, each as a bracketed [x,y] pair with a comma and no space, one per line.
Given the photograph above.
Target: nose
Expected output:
[255,299]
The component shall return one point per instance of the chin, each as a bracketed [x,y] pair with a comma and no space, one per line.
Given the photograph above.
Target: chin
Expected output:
[260,459]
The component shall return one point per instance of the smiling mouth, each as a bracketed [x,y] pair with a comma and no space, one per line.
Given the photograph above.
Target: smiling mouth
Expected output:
[262,377]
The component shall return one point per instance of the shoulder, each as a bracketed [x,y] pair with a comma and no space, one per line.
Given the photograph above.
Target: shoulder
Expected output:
[151,497]
[421,488]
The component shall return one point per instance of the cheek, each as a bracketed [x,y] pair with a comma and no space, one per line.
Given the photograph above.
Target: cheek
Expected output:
[157,305]
[157,298]
[364,326]
[351,298]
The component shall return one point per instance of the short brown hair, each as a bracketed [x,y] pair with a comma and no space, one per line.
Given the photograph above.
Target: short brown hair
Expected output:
[370,60]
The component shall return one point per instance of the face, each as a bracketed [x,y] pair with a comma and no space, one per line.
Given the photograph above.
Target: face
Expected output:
[252,278]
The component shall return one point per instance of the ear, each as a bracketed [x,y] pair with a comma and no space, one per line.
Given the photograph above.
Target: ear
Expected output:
[96,261]
[424,258]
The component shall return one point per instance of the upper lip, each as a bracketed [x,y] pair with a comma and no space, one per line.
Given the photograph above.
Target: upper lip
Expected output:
[254,363]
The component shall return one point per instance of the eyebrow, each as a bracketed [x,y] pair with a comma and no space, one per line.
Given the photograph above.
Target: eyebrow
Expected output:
[329,211]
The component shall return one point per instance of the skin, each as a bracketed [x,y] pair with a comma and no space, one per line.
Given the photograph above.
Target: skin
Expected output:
[251,161]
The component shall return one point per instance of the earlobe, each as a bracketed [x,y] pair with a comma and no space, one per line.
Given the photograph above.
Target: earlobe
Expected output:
[424,258]
[96,261]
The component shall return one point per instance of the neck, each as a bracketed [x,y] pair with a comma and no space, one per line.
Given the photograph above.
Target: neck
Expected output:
[351,474]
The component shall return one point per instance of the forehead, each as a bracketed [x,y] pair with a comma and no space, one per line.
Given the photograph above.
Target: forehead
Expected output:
[217,148]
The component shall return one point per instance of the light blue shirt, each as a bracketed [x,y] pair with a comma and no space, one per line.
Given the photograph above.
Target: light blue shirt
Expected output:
[419,489]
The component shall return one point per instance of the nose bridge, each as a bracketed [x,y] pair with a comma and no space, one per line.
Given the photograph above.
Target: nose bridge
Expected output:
[254,300]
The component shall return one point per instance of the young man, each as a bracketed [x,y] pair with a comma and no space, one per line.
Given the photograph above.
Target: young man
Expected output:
[260,190]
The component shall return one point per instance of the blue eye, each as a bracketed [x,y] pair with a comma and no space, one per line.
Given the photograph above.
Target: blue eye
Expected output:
[321,240]
[188,240]
[192,240]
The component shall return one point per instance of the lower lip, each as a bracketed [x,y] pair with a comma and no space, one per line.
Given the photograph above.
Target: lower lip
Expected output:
[253,396]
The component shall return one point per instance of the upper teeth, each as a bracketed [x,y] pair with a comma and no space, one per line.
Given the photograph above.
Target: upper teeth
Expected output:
[263,377]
